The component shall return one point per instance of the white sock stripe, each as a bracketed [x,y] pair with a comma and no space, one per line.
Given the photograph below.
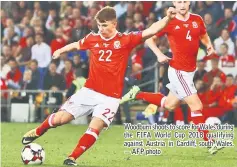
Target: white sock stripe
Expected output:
[162,103]
[50,119]
[93,134]
[195,115]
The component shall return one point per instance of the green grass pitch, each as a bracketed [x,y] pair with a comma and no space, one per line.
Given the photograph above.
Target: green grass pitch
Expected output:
[107,152]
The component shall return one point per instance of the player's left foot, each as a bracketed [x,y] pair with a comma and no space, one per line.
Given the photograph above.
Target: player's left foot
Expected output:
[29,137]
[131,95]
[215,148]
[70,162]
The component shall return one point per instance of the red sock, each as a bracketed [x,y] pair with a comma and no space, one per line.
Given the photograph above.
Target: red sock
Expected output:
[86,141]
[153,98]
[198,118]
[47,124]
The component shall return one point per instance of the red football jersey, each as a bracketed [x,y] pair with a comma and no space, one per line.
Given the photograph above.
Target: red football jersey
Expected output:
[108,61]
[184,39]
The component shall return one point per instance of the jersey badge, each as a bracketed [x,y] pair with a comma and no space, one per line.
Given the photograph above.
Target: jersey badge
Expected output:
[117,45]
[194,24]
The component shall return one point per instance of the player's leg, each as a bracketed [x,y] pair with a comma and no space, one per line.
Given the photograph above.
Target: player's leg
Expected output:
[135,93]
[66,113]
[187,91]
[86,141]
[103,115]
[196,107]
[52,121]
[153,98]
[169,102]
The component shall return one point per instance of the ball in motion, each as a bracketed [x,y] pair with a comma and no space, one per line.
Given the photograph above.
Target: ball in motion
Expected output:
[33,154]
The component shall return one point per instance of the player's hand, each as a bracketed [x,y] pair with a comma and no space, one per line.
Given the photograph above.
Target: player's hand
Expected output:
[210,50]
[171,12]
[163,59]
[56,54]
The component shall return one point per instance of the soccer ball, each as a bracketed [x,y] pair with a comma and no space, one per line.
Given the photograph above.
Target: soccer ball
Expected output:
[213,121]
[33,154]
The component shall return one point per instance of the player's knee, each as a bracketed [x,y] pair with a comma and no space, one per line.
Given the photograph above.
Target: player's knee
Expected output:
[58,119]
[65,119]
[62,118]
[169,106]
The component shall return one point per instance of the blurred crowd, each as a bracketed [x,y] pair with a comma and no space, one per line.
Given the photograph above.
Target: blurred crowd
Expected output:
[32,31]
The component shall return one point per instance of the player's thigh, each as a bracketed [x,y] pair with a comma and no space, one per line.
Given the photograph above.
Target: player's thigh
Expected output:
[194,102]
[106,110]
[172,101]
[181,83]
[76,107]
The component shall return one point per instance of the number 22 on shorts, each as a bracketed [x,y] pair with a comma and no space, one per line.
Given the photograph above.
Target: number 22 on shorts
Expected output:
[107,113]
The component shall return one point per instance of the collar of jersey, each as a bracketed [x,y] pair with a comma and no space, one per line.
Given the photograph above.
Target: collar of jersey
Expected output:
[185,19]
[107,39]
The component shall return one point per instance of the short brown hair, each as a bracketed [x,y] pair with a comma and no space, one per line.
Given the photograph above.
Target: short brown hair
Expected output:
[106,14]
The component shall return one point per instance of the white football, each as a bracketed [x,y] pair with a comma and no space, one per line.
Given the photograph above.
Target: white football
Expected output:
[33,154]
[213,121]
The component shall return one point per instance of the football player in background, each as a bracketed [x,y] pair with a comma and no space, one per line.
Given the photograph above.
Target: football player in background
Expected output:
[184,33]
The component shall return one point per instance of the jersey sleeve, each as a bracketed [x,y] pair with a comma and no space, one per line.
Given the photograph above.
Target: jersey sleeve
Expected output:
[84,43]
[203,30]
[135,38]
[164,31]
[161,33]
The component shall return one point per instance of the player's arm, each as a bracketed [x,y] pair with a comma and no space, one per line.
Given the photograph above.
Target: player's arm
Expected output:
[159,25]
[151,42]
[67,48]
[206,41]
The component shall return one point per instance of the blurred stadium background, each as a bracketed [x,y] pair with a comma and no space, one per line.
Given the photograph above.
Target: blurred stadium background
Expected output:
[32,85]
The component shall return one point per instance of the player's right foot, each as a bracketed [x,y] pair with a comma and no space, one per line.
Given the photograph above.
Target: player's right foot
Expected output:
[29,137]
[130,95]
[70,162]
